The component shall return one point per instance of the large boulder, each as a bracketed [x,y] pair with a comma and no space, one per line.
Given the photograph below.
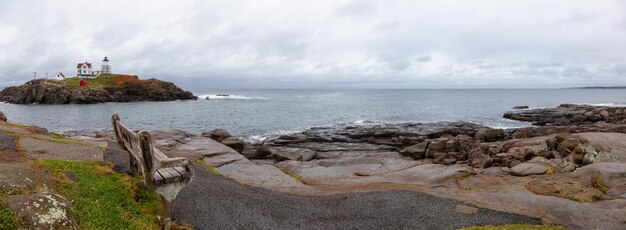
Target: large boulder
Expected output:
[77,97]
[416,151]
[523,133]
[261,152]
[217,134]
[489,135]
[567,146]
[251,152]
[294,154]
[235,143]
[527,169]
[44,211]
[584,154]
[480,160]
[3,117]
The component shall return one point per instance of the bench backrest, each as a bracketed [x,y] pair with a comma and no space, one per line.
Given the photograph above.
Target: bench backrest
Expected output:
[139,145]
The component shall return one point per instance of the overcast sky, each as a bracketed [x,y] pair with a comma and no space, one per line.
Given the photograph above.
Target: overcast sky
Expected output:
[322,44]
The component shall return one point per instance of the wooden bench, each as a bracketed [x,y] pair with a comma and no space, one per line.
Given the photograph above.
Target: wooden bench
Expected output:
[165,175]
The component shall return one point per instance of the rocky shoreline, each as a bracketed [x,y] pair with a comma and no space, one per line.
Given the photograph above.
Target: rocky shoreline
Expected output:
[43,91]
[565,170]
[537,171]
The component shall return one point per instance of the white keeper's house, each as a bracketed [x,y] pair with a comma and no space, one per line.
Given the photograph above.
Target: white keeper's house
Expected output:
[85,69]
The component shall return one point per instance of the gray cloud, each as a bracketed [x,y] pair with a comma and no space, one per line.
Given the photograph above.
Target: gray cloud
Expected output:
[349,43]
[424,59]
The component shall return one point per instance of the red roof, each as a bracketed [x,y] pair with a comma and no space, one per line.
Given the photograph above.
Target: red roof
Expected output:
[81,65]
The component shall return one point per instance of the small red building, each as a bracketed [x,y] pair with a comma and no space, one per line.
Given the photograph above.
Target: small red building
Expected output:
[83,83]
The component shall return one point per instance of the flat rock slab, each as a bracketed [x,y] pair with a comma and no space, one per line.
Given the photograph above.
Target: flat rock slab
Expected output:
[347,167]
[7,142]
[13,129]
[264,176]
[210,151]
[100,142]
[371,173]
[118,157]
[170,134]
[609,214]
[564,187]
[611,175]
[48,150]
[21,177]
[340,146]
[226,204]
[286,153]
[205,147]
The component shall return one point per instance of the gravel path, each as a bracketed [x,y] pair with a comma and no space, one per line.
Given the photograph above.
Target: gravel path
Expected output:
[214,202]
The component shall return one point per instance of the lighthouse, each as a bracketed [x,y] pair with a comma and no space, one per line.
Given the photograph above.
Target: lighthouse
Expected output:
[106,68]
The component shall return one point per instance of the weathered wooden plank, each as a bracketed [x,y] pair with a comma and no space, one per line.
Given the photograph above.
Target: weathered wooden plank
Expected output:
[158,154]
[183,171]
[180,170]
[158,179]
[169,178]
[177,175]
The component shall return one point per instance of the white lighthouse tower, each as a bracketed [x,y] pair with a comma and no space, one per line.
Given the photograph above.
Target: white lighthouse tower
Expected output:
[106,68]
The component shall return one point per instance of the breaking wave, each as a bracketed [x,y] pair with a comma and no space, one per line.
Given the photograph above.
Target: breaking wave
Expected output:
[605,104]
[229,97]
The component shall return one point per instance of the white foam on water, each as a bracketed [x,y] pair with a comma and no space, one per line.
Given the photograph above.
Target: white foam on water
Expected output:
[362,122]
[604,104]
[229,97]
[507,126]
[260,138]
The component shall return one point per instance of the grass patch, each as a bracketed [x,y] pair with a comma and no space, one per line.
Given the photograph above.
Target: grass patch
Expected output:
[515,227]
[593,198]
[597,183]
[57,135]
[100,82]
[550,170]
[63,141]
[103,199]
[290,173]
[7,132]
[112,81]
[209,168]
[8,219]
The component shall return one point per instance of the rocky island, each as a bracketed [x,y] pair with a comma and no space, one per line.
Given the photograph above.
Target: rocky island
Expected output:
[103,88]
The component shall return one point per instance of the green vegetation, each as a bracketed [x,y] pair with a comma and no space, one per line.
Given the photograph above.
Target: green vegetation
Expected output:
[597,183]
[8,219]
[115,81]
[209,168]
[515,227]
[103,199]
[57,135]
[593,198]
[63,140]
[290,173]
[102,81]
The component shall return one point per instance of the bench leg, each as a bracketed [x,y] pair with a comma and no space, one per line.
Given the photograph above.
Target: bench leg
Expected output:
[134,166]
[166,214]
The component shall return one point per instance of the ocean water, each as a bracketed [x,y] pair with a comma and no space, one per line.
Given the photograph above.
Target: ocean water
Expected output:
[256,114]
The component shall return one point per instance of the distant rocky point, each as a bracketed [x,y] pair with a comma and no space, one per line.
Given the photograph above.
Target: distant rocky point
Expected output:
[600,87]
[104,88]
